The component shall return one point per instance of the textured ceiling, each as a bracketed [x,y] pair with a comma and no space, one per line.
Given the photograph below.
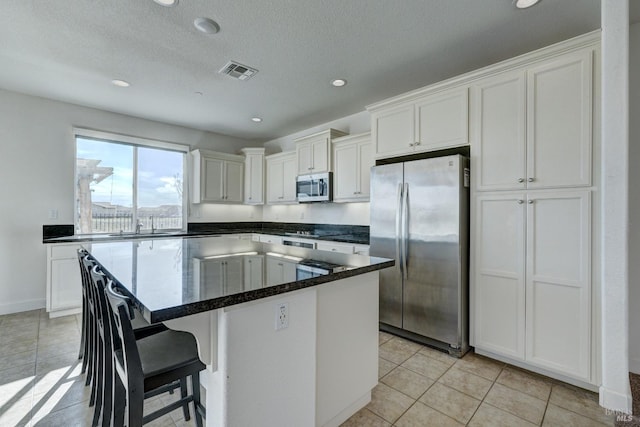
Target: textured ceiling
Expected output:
[70,50]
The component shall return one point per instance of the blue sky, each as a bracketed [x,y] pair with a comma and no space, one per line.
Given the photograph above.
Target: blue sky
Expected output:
[156,173]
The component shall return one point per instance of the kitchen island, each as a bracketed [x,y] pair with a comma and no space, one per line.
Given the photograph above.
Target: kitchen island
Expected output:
[289,335]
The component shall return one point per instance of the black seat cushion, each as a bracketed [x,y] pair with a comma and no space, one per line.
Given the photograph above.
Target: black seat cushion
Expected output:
[166,351]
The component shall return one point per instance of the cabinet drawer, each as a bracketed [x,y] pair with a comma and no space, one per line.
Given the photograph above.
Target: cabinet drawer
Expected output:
[64,251]
[361,250]
[277,240]
[342,248]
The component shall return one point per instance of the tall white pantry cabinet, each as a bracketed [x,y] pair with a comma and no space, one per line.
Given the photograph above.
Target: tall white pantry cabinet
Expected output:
[532,190]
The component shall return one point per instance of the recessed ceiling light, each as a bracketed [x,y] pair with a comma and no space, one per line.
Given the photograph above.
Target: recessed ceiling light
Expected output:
[256,119]
[166,3]
[120,83]
[206,25]
[338,82]
[523,4]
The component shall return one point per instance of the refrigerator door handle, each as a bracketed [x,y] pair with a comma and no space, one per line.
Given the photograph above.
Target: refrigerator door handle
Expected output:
[398,225]
[405,230]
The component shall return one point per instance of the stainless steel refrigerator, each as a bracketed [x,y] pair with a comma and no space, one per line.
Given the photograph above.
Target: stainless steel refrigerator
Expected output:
[420,218]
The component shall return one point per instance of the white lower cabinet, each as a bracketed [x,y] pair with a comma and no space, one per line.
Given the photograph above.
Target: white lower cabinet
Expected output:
[253,272]
[64,285]
[532,278]
[219,276]
[280,271]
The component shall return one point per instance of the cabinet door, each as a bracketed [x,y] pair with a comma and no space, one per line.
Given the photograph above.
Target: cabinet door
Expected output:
[234,174]
[233,275]
[320,160]
[289,179]
[559,122]
[365,162]
[212,187]
[253,272]
[304,158]
[212,284]
[498,286]
[393,131]
[275,180]
[442,120]
[275,271]
[254,180]
[66,286]
[499,122]
[345,184]
[558,282]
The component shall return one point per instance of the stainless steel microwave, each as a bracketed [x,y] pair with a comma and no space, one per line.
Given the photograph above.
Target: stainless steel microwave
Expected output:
[317,187]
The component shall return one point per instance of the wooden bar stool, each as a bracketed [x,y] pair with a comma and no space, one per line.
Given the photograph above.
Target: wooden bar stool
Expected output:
[148,366]
[97,347]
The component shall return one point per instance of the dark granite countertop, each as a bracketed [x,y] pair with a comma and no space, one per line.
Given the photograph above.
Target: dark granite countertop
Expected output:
[356,234]
[174,277]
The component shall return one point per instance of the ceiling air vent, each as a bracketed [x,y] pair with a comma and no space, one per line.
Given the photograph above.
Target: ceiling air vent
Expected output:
[238,71]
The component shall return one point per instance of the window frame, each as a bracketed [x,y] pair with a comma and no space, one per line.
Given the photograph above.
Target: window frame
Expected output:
[116,138]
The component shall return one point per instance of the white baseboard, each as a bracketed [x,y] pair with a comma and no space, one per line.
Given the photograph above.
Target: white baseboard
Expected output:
[615,401]
[17,307]
[345,414]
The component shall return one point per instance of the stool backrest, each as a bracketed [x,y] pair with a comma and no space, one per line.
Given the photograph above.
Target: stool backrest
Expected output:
[128,366]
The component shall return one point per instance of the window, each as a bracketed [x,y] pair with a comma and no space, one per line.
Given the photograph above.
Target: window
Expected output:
[127,184]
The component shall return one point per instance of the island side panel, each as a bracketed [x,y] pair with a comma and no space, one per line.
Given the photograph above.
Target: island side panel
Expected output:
[347,343]
[267,376]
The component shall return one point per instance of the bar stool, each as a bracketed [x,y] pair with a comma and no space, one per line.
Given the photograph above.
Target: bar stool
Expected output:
[149,366]
[96,342]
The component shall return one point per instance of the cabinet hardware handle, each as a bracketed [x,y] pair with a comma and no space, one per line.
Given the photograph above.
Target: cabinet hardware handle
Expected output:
[520,179]
[531,179]
[249,198]
[520,202]
[333,249]
[530,201]
[411,144]
[418,143]
[280,264]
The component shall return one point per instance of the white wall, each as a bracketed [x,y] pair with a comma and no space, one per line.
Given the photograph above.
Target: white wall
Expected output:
[319,213]
[634,199]
[37,157]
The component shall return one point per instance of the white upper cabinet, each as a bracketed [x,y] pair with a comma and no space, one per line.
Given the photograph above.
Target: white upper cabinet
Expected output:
[533,126]
[393,131]
[352,160]
[253,176]
[559,112]
[217,177]
[442,120]
[499,142]
[431,122]
[313,152]
[281,178]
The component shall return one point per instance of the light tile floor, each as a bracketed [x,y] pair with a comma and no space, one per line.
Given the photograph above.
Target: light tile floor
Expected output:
[40,379]
[422,387]
[41,385]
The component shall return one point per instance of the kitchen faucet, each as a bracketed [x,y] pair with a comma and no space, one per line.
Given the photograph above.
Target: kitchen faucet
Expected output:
[153,228]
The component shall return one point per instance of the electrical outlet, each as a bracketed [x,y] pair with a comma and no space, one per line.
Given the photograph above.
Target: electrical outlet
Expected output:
[282,316]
